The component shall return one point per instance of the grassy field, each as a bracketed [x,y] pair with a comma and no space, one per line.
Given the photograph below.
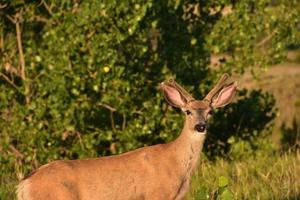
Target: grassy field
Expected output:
[7,186]
[269,177]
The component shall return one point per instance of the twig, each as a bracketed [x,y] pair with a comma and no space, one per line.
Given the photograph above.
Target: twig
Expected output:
[34,160]
[40,18]
[10,19]
[124,122]
[21,54]
[266,39]
[1,40]
[21,57]
[80,139]
[15,151]
[112,121]
[47,7]
[3,6]
[112,109]
[8,80]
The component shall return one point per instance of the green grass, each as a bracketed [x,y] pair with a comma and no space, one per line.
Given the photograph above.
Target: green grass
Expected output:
[8,182]
[266,177]
[263,177]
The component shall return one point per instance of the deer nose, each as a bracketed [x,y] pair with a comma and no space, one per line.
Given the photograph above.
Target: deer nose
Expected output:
[201,127]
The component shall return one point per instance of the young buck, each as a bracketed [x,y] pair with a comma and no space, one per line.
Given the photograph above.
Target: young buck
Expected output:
[159,172]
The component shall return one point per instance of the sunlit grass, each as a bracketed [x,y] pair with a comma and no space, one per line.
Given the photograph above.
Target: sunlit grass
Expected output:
[264,177]
[8,183]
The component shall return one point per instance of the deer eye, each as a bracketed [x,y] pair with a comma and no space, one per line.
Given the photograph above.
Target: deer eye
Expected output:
[210,112]
[188,112]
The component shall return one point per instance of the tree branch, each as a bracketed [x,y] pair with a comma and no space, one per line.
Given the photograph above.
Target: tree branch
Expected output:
[8,80]
[78,134]
[112,121]
[112,110]
[266,39]
[3,6]
[21,58]
[15,151]
[124,122]
[10,19]
[49,9]
[1,39]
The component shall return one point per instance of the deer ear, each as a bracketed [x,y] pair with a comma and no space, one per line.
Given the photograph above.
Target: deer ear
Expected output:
[173,96]
[225,96]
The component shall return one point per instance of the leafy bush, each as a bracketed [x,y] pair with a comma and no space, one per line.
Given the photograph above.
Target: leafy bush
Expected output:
[243,127]
[290,139]
[81,78]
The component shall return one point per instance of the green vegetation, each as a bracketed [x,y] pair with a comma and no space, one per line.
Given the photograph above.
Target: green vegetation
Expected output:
[263,177]
[81,79]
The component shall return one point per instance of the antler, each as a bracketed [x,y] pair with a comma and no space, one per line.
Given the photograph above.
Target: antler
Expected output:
[217,88]
[174,84]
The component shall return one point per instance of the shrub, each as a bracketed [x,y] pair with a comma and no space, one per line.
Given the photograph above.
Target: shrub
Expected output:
[81,78]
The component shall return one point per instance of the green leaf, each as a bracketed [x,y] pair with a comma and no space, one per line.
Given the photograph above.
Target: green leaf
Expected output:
[223,181]
[227,195]
[202,193]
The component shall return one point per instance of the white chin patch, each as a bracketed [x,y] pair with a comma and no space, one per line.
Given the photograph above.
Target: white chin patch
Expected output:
[199,133]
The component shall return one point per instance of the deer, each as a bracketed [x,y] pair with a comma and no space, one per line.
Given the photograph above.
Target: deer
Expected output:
[158,172]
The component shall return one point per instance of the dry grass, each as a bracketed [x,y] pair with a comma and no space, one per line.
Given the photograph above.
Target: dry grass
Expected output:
[8,183]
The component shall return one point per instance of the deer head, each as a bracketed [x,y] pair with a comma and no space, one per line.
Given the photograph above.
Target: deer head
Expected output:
[198,111]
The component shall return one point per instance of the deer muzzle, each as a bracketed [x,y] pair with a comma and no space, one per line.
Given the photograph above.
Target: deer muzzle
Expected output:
[201,127]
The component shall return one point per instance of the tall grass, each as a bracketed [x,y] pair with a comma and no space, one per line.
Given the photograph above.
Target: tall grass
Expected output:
[263,177]
[8,182]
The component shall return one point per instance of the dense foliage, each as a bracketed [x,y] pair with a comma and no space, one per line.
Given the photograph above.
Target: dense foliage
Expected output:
[81,78]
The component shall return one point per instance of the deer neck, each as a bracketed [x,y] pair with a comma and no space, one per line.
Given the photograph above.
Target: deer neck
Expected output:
[188,148]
